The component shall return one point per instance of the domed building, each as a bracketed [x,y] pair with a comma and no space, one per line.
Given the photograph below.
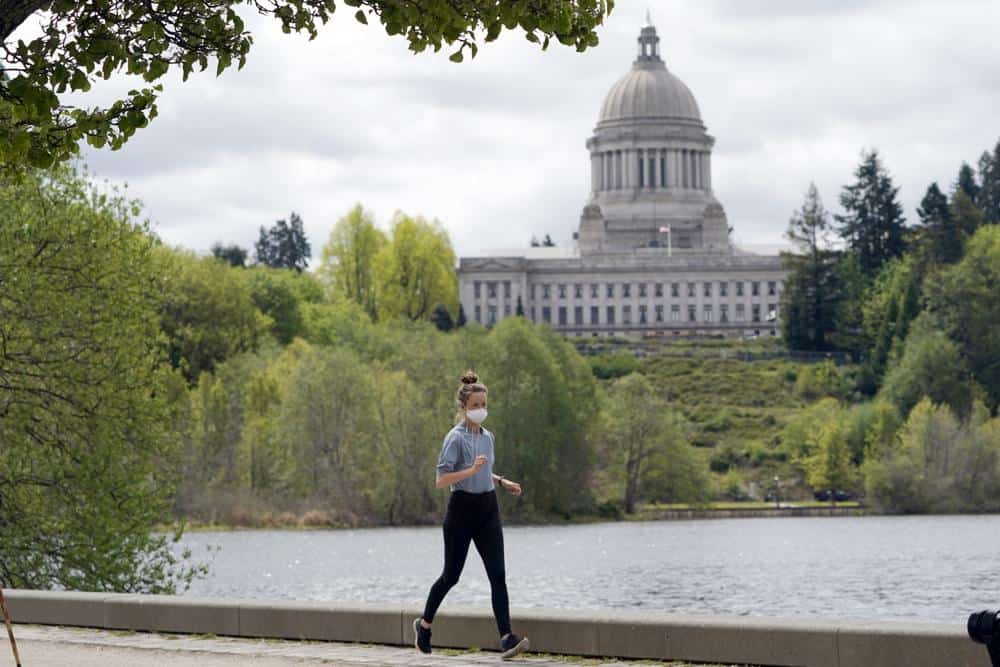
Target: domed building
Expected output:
[652,255]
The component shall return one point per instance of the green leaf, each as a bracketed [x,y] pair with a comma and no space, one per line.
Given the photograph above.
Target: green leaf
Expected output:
[456,57]
[360,16]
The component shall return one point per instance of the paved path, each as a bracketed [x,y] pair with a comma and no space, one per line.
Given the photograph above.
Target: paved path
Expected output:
[79,647]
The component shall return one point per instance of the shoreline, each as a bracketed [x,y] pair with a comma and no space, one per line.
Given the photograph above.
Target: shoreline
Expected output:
[678,512]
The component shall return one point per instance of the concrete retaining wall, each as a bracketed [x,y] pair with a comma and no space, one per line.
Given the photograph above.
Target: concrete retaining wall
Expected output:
[708,638]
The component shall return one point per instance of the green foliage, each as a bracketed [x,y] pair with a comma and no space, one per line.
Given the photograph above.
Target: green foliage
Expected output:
[829,467]
[647,447]
[939,464]
[964,302]
[821,379]
[811,294]
[415,271]
[890,305]
[233,255]
[608,366]
[942,236]
[87,462]
[82,42]
[873,223]
[206,310]
[280,295]
[988,198]
[349,258]
[284,245]
[932,366]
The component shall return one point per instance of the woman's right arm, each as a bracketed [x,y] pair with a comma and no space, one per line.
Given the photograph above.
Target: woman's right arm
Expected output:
[447,478]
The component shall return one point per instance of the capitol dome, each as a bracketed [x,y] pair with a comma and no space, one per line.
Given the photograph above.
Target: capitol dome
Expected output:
[649,91]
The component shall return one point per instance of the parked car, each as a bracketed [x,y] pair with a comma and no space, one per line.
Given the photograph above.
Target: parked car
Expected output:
[838,495]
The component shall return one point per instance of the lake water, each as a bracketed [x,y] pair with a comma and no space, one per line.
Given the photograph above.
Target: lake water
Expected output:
[932,568]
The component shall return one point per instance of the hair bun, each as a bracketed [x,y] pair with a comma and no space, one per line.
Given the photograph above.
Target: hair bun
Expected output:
[470,378]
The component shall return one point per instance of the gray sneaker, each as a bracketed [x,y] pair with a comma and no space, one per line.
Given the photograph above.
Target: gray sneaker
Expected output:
[513,645]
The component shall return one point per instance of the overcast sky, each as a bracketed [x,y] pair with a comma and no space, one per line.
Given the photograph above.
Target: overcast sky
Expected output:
[792,90]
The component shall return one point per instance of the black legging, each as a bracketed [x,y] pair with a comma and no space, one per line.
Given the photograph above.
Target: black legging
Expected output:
[473,517]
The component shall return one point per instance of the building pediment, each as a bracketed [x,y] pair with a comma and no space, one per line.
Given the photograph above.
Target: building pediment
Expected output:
[492,264]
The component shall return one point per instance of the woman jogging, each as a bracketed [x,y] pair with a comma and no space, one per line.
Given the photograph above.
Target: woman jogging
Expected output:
[466,465]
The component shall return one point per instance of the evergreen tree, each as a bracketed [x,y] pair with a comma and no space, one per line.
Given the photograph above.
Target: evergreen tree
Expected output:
[460,322]
[989,176]
[942,237]
[519,311]
[284,246]
[232,254]
[966,215]
[548,242]
[873,225]
[442,318]
[967,182]
[811,289]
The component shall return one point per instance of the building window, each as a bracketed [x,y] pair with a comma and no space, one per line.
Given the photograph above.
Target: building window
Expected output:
[578,291]
[642,173]
[610,319]
[692,315]
[755,313]
[562,316]
[491,290]
[562,291]
[691,290]
[724,313]
[546,291]
[595,315]
[675,290]
[578,315]
[506,289]
[642,314]
[772,288]
[546,314]
[723,288]
[739,288]
[652,172]
[611,290]
[506,310]
[492,313]
[593,290]
[709,317]
[642,290]
[479,314]
[626,314]
[740,312]
[663,172]
[658,290]
[478,288]
[627,290]
[708,288]
[675,313]
[659,313]
[772,311]
[755,288]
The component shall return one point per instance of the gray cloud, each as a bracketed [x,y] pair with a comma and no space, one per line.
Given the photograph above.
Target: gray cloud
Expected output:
[792,90]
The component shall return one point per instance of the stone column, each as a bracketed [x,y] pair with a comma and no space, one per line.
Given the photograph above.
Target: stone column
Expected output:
[708,170]
[697,170]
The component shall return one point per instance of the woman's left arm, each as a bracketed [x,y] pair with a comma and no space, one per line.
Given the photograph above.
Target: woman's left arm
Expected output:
[512,487]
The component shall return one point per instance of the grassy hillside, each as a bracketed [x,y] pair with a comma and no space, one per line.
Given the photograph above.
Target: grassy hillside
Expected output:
[737,396]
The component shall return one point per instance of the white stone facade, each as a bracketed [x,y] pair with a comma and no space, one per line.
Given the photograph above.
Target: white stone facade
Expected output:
[652,256]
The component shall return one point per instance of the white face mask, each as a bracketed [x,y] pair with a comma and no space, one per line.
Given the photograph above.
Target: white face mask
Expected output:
[476,416]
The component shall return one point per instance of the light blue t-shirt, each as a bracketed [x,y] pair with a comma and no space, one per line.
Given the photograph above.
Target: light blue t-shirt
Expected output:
[460,448]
